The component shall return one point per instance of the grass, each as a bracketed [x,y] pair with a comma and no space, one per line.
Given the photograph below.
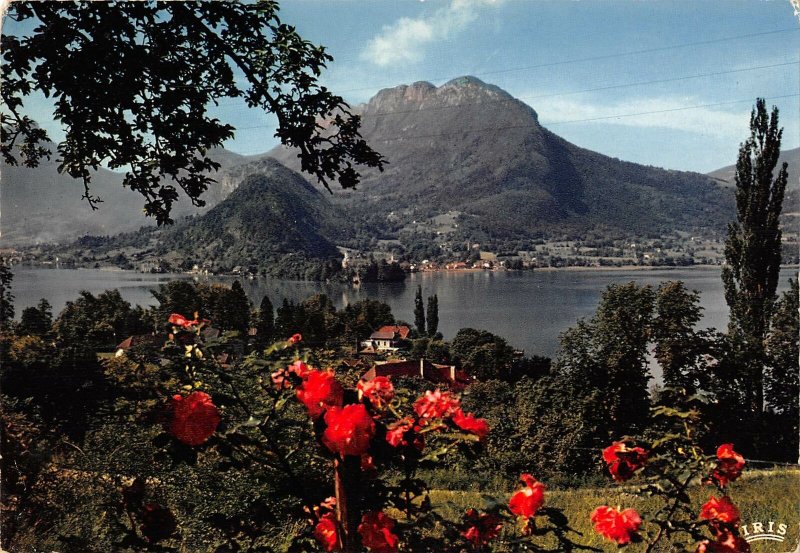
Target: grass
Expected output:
[761,496]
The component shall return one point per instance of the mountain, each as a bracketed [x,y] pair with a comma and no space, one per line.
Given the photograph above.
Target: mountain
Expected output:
[791,203]
[39,205]
[274,220]
[471,150]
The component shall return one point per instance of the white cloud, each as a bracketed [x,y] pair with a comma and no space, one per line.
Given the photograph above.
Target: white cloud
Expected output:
[664,113]
[405,40]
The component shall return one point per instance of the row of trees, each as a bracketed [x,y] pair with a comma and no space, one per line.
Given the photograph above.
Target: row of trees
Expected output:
[426,326]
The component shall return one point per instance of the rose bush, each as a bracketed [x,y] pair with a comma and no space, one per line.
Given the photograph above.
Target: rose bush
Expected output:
[366,430]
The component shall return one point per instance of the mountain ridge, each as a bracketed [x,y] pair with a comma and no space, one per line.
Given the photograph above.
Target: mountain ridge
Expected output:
[472,147]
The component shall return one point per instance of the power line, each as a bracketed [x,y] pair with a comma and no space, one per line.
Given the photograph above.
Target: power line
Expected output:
[596,58]
[590,58]
[669,110]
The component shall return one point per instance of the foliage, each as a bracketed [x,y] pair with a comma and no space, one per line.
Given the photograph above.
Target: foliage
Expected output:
[677,345]
[433,315]
[485,355]
[6,297]
[265,321]
[36,320]
[381,271]
[99,323]
[781,386]
[419,313]
[132,83]
[753,245]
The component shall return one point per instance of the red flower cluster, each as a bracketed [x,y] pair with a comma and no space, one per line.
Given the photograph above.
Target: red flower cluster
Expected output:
[614,525]
[529,499]
[720,511]
[436,405]
[376,533]
[319,391]
[470,424]
[295,339]
[481,528]
[623,461]
[723,517]
[379,391]
[349,429]
[327,532]
[729,465]
[281,377]
[194,418]
[397,434]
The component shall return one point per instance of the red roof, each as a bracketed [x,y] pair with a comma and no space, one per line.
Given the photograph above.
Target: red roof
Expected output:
[438,374]
[391,332]
[141,339]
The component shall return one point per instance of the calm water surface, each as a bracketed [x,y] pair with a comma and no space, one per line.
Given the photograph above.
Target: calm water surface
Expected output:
[530,309]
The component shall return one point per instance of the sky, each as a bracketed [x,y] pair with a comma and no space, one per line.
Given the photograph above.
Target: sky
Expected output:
[579,64]
[668,83]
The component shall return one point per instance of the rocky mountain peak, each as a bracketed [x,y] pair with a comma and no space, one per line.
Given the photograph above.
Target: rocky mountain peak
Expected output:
[421,95]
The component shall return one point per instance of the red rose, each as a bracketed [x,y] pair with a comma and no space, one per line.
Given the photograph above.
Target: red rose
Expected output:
[376,533]
[397,434]
[529,499]
[158,523]
[327,532]
[729,465]
[319,391]
[470,424]
[480,528]
[296,338]
[194,418]
[436,405]
[379,391]
[727,542]
[623,461]
[614,525]
[349,429]
[720,511]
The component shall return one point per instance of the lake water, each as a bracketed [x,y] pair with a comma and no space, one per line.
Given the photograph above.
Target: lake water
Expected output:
[529,309]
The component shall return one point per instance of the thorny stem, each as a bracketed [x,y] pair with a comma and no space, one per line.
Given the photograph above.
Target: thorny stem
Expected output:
[671,511]
[284,464]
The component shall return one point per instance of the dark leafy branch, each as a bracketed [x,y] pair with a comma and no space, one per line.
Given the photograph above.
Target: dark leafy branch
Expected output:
[132,83]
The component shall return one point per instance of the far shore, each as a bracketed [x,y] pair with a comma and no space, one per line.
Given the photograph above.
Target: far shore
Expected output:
[589,268]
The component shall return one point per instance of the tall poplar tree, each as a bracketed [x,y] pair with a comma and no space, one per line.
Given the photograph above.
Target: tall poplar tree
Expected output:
[6,297]
[266,320]
[433,315]
[419,312]
[753,246]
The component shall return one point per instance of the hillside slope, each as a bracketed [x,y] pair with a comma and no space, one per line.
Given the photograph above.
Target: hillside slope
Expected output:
[274,221]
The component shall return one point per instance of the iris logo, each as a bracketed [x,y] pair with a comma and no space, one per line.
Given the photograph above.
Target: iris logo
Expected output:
[764,531]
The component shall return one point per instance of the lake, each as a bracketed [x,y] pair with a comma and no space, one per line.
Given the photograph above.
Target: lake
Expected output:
[529,309]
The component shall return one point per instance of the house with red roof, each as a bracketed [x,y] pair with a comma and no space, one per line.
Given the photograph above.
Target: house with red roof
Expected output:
[387,339]
[432,372]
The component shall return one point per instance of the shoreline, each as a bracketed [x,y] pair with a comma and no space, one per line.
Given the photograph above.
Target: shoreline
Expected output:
[574,268]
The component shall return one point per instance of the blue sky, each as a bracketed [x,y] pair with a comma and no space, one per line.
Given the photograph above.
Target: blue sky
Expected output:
[580,64]
[530,48]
